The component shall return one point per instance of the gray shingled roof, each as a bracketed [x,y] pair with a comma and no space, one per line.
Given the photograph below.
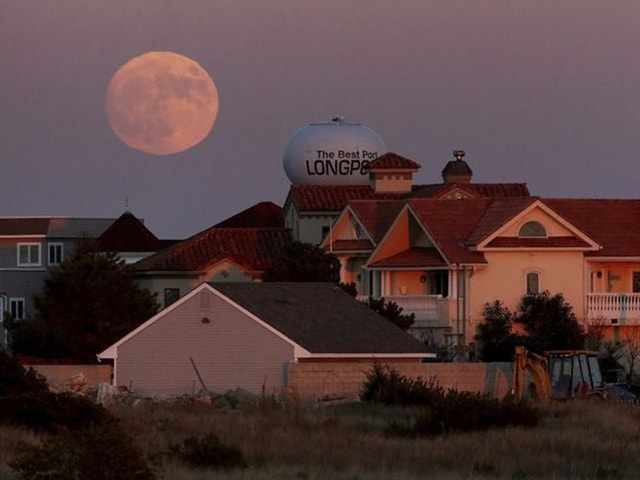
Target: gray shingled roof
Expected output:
[321,318]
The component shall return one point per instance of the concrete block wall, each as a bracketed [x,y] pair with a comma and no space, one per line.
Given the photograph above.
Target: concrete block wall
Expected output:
[328,380]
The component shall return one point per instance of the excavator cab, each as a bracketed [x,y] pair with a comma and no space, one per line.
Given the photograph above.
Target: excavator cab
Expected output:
[574,373]
[557,375]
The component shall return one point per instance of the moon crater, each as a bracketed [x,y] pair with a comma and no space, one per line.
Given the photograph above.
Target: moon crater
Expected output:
[161,103]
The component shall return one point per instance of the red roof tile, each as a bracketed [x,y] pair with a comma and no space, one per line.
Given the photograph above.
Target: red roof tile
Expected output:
[614,224]
[252,248]
[450,223]
[327,198]
[376,216]
[333,198]
[393,161]
[261,215]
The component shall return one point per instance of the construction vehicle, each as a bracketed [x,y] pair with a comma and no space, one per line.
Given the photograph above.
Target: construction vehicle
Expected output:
[557,375]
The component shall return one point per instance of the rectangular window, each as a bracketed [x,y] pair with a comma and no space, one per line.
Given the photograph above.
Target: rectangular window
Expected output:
[16,308]
[28,254]
[55,253]
[533,283]
[171,295]
[636,282]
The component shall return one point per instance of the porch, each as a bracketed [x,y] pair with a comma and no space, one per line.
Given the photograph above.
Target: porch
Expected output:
[430,310]
[613,308]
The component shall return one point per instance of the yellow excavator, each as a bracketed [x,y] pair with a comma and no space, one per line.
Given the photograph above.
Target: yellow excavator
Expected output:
[557,375]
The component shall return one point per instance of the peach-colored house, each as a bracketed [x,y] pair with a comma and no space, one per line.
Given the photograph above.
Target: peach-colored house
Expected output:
[228,335]
[444,258]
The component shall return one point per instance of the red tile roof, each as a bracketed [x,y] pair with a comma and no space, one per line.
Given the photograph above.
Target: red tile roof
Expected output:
[450,223]
[393,161]
[260,215]
[252,248]
[376,216]
[614,224]
[498,212]
[333,198]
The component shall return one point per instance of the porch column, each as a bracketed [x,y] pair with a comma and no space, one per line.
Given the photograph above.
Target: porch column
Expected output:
[453,283]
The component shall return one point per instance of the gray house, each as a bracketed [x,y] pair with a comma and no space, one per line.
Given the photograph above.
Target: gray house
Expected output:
[30,246]
[228,335]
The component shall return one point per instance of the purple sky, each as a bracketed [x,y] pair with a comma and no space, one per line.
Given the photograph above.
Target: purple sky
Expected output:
[544,92]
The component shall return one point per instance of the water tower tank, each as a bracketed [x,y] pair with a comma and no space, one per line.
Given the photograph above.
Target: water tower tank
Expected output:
[331,153]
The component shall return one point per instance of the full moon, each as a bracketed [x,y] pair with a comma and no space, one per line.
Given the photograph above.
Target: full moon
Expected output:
[161,103]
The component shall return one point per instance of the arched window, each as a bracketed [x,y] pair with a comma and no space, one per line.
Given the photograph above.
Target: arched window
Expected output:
[532,229]
[533,283]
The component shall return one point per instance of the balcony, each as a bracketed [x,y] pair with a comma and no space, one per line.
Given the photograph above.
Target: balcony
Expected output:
[619,306]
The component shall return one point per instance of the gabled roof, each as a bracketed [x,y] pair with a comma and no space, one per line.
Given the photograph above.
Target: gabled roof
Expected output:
[449,223]
[251,248]
[260,215]
[321,318]
[318,319]
[498,211]
[614,224]
[393,161]
[128,234]
[376,216]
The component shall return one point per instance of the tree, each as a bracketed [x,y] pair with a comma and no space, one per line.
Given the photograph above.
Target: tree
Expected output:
[495,337]
[550,323]
[87,303]
[627,351]
[392,312]
[303,262]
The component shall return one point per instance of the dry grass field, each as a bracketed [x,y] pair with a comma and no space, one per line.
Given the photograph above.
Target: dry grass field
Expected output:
[349,442]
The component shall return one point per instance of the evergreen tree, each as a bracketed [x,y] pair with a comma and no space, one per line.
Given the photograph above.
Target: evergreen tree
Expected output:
[88,302]
[550,323]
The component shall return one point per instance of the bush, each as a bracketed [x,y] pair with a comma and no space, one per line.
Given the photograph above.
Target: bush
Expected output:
[386,386]
[443,411]
[208,452]
[45,411]
[15,379]
[101,452]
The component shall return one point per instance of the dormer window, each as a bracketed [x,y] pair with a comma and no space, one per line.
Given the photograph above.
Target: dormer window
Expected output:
[532,229]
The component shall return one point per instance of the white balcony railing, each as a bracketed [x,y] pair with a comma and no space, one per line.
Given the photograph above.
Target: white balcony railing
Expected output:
[425,307]
[613,305]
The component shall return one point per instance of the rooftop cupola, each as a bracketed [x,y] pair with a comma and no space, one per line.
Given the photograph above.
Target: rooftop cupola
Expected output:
[457,171]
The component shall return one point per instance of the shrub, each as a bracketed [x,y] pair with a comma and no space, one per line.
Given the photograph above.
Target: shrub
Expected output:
[443,411]
[208,452]
[44,411]
[15,379]
[101,452]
